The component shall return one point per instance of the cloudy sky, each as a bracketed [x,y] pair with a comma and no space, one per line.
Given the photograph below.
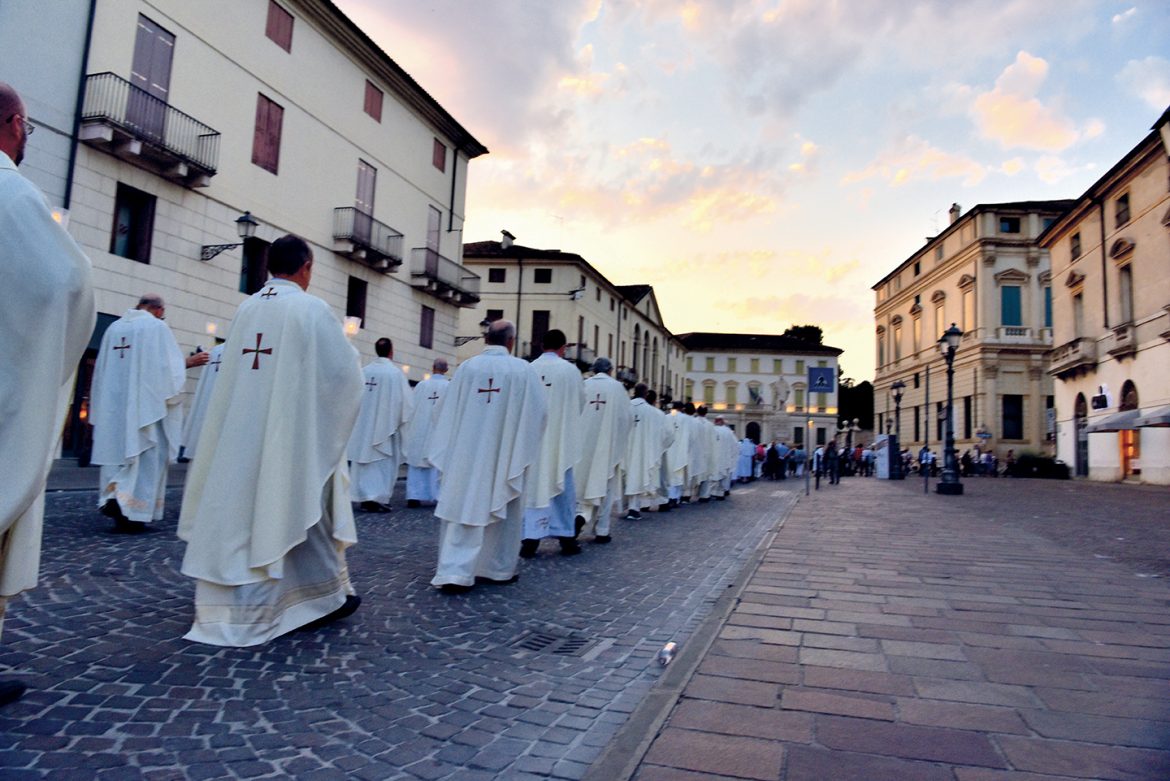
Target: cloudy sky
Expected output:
[763,163]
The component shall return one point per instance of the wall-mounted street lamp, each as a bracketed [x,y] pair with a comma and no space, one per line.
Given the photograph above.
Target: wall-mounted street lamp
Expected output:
[246,226]
[484,324]
[949,484]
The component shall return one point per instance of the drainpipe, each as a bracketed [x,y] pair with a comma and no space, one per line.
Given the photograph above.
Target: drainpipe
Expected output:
[73,142]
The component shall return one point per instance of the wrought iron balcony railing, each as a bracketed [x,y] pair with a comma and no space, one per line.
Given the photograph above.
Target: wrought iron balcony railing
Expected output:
[360,237]
[132,124]
[443,278]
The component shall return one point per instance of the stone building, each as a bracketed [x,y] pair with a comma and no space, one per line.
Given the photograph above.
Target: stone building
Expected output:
[985,273]
[200,120]
[1111,355]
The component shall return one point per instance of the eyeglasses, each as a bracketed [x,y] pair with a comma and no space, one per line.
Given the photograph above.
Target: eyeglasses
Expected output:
[29,128]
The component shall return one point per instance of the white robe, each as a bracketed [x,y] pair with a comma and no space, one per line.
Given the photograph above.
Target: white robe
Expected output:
[650,437]
[136,412]
[266,513]
[560,449]
[422,478]
[698,455]
[745,459]
[605,427]
[46,319]
[194,421]
[375,446]
[678,454]
[726,454]
[485,441]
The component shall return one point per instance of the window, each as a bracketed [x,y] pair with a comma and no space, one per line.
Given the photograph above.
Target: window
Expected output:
[1125,292]
[881,349]
[689,391]
[1074,246]
[709,393]
[611,303]
[133,223]
[1013,416]
[498,275]
[690,363]
[1078,314]
[355,299]
[434,228]
[798,398]
[821,437]
[777,365]
[495,314]
[266,138]
[938,252]
[917,333]
[280,26]
[897,344]
[917,424]
[542,276]
[426,328]
[822,401]
[367,186]
[150,72]
[940,411]
[598,291]
[969,310]
[1047,306]
[940,320]
[540,320]
[966,417]
[755,364]
[798,436]
[596,338]
[1121,211]
[730,364]
[917,267]
[439,155]
[710,364]
[729,394]
[609,351]
[1010,307]
[373,101]
[1009,224]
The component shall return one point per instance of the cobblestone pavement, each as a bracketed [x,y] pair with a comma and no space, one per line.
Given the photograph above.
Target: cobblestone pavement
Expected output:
[415,685]
[1017,632]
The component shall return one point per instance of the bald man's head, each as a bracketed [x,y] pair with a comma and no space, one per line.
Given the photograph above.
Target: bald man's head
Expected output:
[13,123]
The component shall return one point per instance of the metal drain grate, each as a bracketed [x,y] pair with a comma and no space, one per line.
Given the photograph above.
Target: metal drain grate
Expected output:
[551,643]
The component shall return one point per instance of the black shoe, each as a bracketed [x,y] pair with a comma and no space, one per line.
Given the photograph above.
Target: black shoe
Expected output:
[494,582]
[528,548]
[454,588]
[578,524]
[569,546]
[413,503]
[704,501]
[632,515]
[721,498]
[11,691]
[352,603]
[373,507]
[111,509]
[602,539]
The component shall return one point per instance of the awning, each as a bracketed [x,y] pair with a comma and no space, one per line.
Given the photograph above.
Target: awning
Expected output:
[1121,421]
[1158,417]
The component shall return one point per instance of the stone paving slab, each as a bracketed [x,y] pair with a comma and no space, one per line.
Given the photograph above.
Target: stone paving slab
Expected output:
[1015,632]
[416,685]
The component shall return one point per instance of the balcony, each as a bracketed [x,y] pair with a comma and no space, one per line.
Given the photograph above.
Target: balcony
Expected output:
[443,278]
[1079,355]
[1124,341]
[131,124]
[1014,334]
[360,237]
[583,354]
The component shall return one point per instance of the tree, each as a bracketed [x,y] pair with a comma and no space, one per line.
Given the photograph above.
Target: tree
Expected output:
[806,333]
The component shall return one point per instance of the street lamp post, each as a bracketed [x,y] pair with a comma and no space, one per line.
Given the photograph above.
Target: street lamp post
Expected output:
[949,484]
[896,391]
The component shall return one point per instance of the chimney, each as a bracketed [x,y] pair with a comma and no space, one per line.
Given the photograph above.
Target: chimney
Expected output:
[955,212]
[506,241]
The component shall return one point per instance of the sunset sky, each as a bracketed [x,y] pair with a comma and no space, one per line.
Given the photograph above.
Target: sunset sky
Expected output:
[763,163]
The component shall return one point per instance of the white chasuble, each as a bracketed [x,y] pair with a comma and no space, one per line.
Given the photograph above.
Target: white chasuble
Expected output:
[194,421]
[605,427]
[426,397]
[649,439]
[487,437]
[560,447]
[46,321]
[375,446]
[678,453]
[269,485]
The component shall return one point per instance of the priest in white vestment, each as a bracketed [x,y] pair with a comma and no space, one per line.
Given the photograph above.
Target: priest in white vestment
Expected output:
[485,443]
[45,325]
[605,427]
[193,423]
[727,452]
[137,414]
[745,460]
[698,453]
[552,494]
[647,443]
[710,445]
[375,446]
[266,513]
[422,478]
[677,455]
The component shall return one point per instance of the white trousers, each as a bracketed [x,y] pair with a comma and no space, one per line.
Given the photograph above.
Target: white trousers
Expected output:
[597,512]
[422,484]
[372,482]
[492,551]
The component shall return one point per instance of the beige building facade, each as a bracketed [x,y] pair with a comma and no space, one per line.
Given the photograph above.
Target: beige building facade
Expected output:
[986,274]
[198,118]
[542,289]
[759,384]
[1111,354]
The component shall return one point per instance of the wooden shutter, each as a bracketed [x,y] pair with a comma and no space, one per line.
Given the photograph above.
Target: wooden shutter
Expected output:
[373,101]
[280,26]
[266,138]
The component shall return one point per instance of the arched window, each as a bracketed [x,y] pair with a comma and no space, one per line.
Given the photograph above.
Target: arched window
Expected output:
[1129,396]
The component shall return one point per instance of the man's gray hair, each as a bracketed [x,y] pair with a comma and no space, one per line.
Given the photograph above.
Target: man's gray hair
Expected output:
[602,366]
[500,332]
[439,366]
[149,300]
